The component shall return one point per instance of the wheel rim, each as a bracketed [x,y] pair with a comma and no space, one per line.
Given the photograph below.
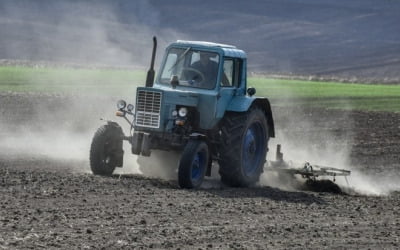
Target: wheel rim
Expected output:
[253,148]
[198,166]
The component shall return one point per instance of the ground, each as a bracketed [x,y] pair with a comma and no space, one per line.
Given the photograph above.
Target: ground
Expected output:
[50,200]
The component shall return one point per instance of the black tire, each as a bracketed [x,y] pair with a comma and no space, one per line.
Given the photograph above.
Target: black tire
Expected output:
[243,148]
[106,151]
[193,164]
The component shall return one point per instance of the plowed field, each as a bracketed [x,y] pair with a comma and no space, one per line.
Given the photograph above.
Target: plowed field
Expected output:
[49,199]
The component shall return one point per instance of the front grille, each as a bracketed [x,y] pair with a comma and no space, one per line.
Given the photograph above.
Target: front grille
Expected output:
[148,109]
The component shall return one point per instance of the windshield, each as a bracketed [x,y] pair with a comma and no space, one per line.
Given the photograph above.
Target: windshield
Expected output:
[190,67]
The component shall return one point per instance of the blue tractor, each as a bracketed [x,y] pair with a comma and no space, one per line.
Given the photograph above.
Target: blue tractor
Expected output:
[198,105]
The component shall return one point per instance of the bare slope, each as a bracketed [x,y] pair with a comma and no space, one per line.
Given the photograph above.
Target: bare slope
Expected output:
[358,38]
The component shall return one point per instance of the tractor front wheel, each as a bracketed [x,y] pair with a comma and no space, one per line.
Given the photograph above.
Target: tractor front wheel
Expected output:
[106,151]
[193,164]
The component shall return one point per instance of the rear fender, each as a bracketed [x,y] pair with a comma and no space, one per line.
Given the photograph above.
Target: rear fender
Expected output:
[244,103]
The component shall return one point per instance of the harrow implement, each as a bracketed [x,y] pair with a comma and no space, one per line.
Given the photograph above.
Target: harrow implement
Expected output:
[306,170]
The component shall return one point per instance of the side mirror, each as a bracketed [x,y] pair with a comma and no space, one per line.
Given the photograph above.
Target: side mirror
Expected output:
[174,81]
[251,91]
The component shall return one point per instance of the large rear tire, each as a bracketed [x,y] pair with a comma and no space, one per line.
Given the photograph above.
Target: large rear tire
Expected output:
[193,164]
[244,147]
[106,151]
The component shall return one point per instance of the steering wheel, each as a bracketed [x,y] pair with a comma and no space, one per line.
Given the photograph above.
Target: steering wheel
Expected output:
[196,75]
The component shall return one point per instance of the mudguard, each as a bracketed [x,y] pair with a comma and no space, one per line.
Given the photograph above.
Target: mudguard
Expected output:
[244,103]
[240,103]
[114,124]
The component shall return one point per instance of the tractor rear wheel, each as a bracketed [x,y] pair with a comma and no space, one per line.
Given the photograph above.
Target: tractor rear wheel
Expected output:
[193,164]
[244,147]
[106,151]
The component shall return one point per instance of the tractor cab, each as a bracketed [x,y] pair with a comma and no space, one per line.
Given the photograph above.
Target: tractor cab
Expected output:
[203,77]
[203,66]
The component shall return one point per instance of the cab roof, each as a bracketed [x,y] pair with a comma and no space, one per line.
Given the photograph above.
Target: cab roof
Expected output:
[227,50]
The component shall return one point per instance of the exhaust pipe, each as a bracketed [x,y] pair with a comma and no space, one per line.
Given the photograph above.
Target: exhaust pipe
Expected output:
[150,72]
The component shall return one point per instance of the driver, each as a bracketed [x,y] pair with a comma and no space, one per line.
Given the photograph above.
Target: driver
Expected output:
[208,67]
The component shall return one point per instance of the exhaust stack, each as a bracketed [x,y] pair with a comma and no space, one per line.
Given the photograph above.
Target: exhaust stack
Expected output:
[150,72]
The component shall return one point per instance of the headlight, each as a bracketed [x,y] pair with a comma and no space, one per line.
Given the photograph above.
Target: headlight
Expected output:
[130,107]
[182,112]
[174,113]
[121,104]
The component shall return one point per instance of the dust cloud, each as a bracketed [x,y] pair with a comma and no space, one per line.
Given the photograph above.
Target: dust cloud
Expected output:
[49,129]
[303,140]
[298,151]
[87,33]
[161,164]
[377,184]
[101,32]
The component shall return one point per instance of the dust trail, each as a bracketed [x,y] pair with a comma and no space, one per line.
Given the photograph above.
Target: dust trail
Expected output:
[63,145]
[161,164]
[68,147]
[299,153]
[85,32]
[52,128]
[371,184]
[305,138]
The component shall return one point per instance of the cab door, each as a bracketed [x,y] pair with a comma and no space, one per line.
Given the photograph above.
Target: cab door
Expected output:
[228,84]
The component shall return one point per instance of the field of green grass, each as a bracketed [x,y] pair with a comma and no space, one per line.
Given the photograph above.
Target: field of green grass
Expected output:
[357,96]
[68,80]
[282,92]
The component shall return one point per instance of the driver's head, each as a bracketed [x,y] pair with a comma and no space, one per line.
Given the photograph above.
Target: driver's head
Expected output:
[204,58]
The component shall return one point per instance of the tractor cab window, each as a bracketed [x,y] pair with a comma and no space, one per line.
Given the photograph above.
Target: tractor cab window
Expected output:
[228,73]
[231,76]
[189,67]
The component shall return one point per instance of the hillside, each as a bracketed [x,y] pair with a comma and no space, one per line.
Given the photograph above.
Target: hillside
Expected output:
[345,39]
